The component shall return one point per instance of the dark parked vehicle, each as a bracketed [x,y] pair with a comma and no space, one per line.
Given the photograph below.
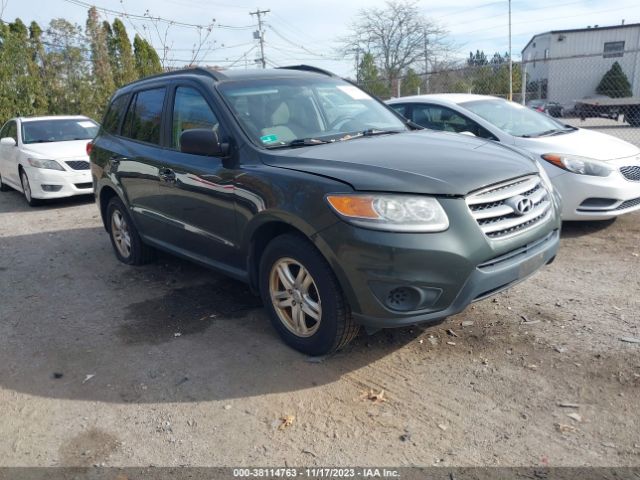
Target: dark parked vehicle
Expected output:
[552,109]
[320,197]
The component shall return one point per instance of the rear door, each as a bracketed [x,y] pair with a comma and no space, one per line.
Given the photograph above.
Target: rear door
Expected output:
[137,157]
[198,191]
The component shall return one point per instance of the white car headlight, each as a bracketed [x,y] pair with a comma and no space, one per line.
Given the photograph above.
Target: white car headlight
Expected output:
[577,164]
[396,213]
[47,164]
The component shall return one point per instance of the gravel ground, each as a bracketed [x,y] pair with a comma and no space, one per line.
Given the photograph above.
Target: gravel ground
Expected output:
[171,364]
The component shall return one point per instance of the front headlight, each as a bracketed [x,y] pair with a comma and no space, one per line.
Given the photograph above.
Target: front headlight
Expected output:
[577,164]
[395,213]
[48,164]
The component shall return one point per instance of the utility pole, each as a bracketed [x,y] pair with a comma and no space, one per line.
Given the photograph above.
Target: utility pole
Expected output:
[510,60]
[426,63]
[259,35]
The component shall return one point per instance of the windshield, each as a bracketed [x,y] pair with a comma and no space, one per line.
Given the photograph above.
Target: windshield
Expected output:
[513,118]
[62,130]
[276,112]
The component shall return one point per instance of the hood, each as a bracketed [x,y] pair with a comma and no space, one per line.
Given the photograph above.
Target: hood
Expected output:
[414,162]
[585,143]
[58,150]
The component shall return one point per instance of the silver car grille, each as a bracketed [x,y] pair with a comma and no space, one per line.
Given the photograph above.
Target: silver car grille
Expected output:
[631,172]
[511,207]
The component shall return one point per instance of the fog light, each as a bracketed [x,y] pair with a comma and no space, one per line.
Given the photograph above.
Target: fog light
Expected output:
[51,188]
[403,299]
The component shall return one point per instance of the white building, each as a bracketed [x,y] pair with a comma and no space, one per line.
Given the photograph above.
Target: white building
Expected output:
[568,65]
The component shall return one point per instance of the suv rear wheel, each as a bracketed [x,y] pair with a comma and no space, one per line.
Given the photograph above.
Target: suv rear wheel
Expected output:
[126,241]
[303,297]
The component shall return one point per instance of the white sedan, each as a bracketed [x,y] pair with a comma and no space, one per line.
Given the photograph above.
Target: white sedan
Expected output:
[597,175]
[46,157]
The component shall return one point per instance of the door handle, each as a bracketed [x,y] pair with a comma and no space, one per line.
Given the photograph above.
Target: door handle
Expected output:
[167,175]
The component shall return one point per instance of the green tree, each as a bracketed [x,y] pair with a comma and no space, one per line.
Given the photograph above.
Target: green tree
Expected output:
[67,76]
[146,59]
[369,77]
[36,69]
[102,75]
[477,59]
[125,66]
[411,83]
[614,83]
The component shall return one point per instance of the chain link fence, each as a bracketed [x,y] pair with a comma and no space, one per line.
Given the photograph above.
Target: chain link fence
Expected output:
[599,91]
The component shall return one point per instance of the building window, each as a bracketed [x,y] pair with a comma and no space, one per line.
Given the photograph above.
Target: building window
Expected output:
[546,53]
[613,49]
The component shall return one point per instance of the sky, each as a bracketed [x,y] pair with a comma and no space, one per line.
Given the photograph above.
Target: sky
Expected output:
[308,32]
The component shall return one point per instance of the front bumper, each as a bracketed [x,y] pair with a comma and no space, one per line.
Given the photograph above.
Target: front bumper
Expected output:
[60,184]
[450,269]
[615,196]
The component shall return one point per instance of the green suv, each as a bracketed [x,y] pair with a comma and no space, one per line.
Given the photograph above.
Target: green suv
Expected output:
[331,206]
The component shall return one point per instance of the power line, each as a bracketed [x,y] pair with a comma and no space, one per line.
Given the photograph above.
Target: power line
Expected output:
[260,33]
[147,17]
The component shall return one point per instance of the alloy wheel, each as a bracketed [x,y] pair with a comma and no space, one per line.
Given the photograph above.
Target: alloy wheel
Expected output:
[25,186]
[120,233]
[295,297]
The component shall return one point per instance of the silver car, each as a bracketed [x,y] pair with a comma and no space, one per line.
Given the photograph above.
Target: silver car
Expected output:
[597,175]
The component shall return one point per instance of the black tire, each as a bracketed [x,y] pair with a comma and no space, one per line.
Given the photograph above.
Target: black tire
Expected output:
[3,187]
[336,326]
[26,190]
[139,253]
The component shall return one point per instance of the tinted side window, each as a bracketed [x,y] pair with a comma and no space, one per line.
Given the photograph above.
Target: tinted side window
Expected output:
[113,116]
[401,108]
[144,116]
[436,117]
[190,111]
[3,130]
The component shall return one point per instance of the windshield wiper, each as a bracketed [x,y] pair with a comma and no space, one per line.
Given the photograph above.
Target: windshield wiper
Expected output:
[551,132]
[300,142]
[370,132]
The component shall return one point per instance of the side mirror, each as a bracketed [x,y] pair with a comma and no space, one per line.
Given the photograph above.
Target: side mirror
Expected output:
[10,142]
[466,132]
[203,141]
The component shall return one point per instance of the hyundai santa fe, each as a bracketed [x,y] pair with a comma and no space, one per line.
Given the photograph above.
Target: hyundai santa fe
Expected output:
[330,205]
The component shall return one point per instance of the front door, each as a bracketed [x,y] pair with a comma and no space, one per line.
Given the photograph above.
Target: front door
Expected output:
[9,155]
[198,191]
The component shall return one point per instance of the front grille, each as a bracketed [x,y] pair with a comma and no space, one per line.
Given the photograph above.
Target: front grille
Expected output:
[628,204]
[631,172]
[495,208]
[83,185]
[79,164]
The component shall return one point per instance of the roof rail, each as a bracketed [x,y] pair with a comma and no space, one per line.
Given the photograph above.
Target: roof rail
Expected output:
[308,68]
[215,74]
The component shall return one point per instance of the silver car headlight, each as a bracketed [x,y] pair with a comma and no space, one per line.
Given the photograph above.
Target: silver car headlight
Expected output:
[578,164]
[46,164]
[395,213]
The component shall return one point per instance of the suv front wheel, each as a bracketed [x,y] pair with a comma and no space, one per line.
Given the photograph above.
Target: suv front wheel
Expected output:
[303,297]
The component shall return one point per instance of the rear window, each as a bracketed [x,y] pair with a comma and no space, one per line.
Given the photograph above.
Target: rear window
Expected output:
[114,114]
[144,116]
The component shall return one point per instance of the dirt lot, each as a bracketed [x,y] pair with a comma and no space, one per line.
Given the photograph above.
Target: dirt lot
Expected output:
[171,364]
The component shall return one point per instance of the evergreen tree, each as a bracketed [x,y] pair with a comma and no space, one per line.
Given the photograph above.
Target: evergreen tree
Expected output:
[146,59]
[369,78]
[103,76]
[410,83]
[614,83]
[125,71]
[67,77]
[36,68]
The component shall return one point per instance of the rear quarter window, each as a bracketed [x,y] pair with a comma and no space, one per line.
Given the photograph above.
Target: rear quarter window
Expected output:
[111,122]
